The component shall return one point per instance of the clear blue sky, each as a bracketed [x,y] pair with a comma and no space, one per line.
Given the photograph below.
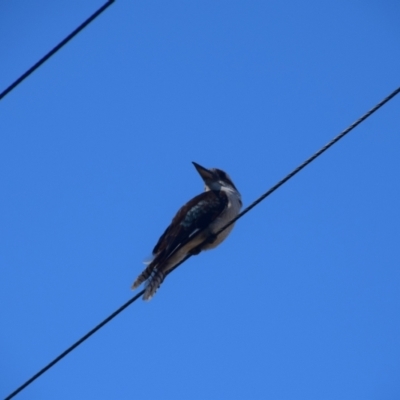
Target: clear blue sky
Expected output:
[302,301]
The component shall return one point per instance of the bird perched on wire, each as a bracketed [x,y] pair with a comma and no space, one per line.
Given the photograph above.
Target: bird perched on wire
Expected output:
[194,227]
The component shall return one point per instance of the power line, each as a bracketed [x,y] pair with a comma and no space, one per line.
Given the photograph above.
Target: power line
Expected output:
[76,344]
[55,49]
[313,157]
[245,211]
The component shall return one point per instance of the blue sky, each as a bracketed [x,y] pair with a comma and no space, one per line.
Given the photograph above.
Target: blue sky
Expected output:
[302,301]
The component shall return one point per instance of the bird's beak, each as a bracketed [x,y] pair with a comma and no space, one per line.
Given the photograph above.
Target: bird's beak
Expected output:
[205,173]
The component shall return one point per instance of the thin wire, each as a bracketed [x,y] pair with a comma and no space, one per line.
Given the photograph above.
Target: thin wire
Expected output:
[55,49]
[245,211]
[312,158]
[76,344]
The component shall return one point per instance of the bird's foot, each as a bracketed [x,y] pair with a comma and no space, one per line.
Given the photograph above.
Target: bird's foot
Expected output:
[195,251]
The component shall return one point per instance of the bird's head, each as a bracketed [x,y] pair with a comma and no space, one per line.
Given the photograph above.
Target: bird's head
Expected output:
[215,179]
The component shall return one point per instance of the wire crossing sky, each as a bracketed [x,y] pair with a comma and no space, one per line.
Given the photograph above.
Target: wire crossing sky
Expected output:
[55,49]
[96,148]
[245,211]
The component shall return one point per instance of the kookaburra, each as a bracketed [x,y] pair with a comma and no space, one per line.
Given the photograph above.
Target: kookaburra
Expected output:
[193,228]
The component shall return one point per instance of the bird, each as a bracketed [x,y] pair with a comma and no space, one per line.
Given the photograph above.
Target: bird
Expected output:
[194,228]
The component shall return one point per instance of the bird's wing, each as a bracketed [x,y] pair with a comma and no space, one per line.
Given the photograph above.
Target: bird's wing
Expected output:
[190,220]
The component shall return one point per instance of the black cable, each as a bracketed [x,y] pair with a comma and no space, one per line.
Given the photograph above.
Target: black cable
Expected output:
[55,49]
[245,211]
[313,157]
[76,344]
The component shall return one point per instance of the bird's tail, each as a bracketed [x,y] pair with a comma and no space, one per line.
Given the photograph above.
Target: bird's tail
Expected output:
[153,277]
[143,276]
[153,283]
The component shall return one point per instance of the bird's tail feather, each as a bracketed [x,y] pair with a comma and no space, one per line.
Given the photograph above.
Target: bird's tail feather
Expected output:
[153,284]
[143,276]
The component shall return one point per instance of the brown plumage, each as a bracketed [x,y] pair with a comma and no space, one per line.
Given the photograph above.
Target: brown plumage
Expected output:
[193,224]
